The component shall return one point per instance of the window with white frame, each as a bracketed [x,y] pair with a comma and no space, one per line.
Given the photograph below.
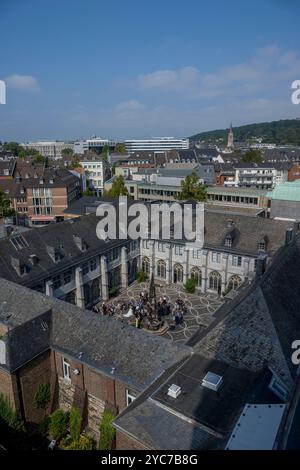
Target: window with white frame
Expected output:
[161,247]
[66,369]
[237,261]
[130,396]
[216,257]
[197,254]
[178,250]
[146,244]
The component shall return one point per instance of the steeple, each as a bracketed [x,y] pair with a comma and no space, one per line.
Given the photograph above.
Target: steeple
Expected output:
[230,143]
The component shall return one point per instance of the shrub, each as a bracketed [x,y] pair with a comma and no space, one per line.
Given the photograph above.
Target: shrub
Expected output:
[44,425]
[190,285]
[107,431]
[83,443]
[141,276]
[58,425]
[113,291]
[75,423]
[42,397]
[9,415]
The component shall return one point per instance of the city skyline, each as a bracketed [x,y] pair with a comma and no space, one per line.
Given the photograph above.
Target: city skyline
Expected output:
[103,70]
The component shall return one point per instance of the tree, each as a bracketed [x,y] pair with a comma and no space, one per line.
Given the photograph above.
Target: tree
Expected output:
[58,426]
[190,285]
[9,415]
[120,148]
[84,443]
[105,152]
[75,423]
[5,209]
[40,160]
[252,156]
[75,164]
[107,431]
[67,152]
[42,397]
[141,276]
[118,188]
[191,188]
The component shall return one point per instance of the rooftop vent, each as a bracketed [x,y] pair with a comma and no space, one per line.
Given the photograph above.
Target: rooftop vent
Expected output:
[174,391]
[212,381]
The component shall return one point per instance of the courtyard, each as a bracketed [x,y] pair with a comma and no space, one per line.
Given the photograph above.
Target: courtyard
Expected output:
[199,309]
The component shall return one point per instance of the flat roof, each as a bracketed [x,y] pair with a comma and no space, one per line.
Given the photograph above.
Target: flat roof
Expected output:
[257,428]
[236,191]
[289,191]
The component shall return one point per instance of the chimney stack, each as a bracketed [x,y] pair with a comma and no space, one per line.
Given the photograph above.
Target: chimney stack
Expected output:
[289,236]
[261,265]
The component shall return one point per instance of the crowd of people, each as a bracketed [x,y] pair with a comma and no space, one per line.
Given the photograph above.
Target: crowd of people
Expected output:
[144,312]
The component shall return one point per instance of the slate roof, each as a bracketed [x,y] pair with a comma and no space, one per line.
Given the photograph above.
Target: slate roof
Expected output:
[261,324]
[200,418]
[249,341]
[137,356]
[249,232]
[59,236]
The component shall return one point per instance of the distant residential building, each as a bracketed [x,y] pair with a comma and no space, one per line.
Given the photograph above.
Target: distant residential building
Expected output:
[96,170]
[40,196]
[50,149]
[96,144]
[260,175]
[159,144]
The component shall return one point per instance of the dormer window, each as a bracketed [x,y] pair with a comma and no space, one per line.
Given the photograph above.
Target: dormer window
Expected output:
[262,246]
[228,241]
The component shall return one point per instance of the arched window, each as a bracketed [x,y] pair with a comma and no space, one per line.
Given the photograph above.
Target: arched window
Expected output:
[215,281]
[146,265]
[234,283]
[197,275]
[178,274]
[161,269]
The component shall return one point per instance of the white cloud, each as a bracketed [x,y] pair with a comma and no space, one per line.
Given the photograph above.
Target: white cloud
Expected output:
[22,82]
[172,80]
[130,105]
[268,67]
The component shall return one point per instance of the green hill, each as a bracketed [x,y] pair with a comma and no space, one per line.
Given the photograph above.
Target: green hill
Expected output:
[278,132]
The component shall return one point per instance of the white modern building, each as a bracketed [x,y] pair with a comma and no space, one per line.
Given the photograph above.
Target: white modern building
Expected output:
[95,170]
[50,149]
[96,143]
[157,145]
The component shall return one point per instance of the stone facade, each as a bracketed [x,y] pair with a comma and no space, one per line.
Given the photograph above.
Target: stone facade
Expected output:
[215,271]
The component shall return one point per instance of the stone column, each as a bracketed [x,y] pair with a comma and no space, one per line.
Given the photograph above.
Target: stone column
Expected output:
[225,276]
[79,288]
[169,270]
[49,289]
[186,265]
[152,258]
[204,284]
[124,268]
[104,278]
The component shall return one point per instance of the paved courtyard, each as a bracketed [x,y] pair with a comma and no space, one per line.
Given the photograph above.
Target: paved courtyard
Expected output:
[200,308]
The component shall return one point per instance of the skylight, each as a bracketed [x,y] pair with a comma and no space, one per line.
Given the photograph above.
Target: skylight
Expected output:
[19,242]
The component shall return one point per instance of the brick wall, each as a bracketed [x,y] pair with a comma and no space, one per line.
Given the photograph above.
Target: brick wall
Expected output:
[124,442]
[31,376]
[8,388]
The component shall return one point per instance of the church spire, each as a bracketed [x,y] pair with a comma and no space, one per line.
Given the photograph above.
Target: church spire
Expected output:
[230,143]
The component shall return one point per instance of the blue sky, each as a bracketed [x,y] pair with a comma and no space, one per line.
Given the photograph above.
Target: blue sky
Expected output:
[130,69]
